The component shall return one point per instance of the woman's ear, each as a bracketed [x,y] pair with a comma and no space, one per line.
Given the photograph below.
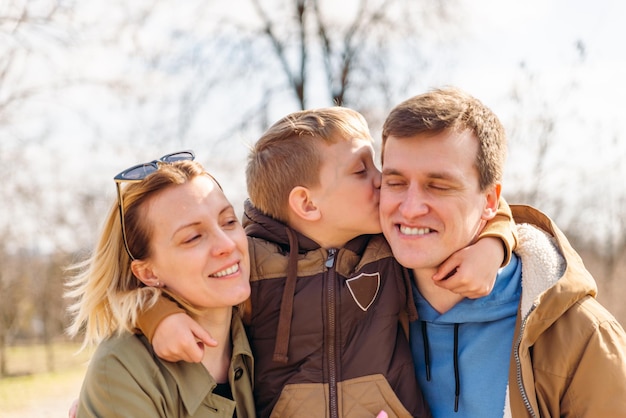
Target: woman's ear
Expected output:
[302,205]
[143,271]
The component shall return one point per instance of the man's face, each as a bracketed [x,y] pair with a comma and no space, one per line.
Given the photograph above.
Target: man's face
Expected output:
[430,202]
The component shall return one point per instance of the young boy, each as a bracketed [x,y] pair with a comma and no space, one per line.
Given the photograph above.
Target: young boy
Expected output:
[328,300]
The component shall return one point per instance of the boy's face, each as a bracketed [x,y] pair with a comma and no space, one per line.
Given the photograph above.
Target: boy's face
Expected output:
[349,190]
[431,204]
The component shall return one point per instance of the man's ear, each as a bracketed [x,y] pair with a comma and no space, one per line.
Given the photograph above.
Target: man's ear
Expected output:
[143,271]
[302,205]
[492,201]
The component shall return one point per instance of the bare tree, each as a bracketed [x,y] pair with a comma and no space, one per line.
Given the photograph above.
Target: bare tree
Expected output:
[347,53]
[238,69]
[14,296]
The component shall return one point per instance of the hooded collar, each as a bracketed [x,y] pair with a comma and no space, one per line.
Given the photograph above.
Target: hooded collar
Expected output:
[554,277]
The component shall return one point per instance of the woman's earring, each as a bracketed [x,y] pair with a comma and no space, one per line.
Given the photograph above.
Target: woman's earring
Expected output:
[157,284]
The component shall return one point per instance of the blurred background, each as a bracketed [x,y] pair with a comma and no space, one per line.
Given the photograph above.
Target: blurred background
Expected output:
[90,87]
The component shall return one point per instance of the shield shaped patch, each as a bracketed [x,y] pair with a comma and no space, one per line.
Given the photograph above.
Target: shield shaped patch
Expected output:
[364,289]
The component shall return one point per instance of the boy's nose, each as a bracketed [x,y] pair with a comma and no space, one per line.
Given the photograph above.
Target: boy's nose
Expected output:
[377,179]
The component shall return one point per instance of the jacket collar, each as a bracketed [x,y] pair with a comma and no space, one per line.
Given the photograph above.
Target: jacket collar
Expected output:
[195,382]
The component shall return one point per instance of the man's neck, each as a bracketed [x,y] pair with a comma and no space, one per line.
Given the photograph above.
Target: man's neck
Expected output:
[442,300]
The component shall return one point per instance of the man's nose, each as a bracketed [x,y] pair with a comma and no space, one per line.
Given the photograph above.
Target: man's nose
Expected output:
[414,203]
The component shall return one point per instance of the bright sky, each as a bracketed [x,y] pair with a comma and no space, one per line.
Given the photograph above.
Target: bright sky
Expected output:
[583,92]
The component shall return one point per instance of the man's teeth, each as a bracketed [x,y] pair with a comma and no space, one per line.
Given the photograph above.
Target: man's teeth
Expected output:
[230,270]
[414,231]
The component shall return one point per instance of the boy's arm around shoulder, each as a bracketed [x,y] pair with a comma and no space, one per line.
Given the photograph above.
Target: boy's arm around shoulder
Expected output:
[174,335]
[149,319]
[502,226]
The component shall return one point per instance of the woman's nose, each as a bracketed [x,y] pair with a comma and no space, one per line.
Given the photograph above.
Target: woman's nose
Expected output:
[223,243]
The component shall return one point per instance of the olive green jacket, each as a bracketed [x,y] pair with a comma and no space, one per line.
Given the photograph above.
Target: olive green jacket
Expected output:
[126,379]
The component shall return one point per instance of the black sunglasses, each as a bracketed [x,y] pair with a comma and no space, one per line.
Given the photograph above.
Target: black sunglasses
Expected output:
[139,172]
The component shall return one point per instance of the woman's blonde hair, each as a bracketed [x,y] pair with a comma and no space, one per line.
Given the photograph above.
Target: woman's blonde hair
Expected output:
[107,294]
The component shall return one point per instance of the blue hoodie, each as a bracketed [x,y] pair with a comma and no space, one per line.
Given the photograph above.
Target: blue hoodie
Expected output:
[450,349]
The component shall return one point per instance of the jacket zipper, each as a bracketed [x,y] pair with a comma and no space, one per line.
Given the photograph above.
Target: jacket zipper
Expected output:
[332,365]
[518,364]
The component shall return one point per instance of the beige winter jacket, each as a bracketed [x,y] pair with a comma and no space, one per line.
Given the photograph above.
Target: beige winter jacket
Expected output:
[569,353]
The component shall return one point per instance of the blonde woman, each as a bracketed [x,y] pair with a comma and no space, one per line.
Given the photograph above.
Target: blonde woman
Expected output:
[171,232]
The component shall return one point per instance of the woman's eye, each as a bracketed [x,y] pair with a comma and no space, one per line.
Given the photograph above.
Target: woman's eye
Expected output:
[192,238]
[231,222]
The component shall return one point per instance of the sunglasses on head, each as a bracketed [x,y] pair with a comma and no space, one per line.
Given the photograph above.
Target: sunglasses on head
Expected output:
[139,172]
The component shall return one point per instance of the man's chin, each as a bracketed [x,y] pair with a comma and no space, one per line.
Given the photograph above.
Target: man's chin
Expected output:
[409,259]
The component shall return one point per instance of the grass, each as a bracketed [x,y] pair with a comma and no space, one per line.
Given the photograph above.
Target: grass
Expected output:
[32,391]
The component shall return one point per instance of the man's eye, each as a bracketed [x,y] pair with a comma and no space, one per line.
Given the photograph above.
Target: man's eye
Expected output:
[392,183]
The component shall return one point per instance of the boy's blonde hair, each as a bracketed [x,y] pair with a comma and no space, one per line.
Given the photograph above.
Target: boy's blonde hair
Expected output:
[288,154]
[107,294]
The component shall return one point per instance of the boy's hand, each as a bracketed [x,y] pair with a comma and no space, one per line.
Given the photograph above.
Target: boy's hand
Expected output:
[178,337]
[471,271]
[73,409]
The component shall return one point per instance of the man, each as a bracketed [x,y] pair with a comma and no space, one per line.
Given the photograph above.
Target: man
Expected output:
[539,345]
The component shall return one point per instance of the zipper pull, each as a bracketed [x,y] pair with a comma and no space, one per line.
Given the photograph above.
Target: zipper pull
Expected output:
[330,261]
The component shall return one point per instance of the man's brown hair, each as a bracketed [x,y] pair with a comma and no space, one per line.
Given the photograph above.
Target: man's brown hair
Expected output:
[452,109]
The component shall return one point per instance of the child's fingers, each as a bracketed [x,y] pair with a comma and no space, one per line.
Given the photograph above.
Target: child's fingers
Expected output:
[202,336]
[73,409]
[176,339]
[447,269]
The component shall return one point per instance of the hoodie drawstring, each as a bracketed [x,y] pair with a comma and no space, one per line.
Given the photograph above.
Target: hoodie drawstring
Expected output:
[457,377]
[283,331]
[457,374]
[426,350]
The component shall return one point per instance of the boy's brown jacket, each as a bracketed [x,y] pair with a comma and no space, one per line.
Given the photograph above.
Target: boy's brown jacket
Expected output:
[326,326]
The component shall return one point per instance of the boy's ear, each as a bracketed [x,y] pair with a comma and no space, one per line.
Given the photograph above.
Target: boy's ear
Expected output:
[302,204]
[492,202]
[143,271]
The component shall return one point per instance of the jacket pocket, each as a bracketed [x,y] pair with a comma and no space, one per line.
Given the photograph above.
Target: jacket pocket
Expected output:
[368,395]
[302,400]
[357,398]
